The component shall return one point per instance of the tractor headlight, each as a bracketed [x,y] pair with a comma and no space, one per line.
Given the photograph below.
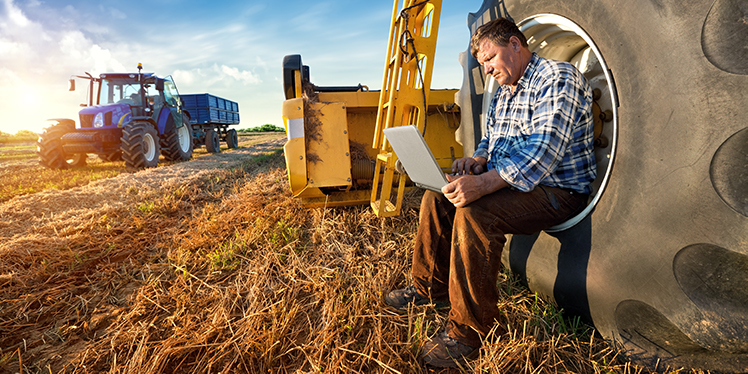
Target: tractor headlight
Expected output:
[98,120]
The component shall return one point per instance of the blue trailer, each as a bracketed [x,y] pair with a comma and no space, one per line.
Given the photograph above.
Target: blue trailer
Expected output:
[210,117]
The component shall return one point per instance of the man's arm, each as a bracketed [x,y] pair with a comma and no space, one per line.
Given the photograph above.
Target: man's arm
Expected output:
[465,188]
[563,99]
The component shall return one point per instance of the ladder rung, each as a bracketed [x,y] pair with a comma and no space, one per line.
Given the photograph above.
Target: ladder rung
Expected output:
[388,205]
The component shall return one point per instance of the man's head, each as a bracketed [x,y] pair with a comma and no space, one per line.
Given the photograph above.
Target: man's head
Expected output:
[502,50]
[499,31]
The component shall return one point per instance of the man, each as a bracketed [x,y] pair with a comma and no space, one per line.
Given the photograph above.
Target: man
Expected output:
[532,170]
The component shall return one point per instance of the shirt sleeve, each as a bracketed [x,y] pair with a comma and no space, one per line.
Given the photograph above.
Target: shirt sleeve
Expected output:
[482,150]
[555,112]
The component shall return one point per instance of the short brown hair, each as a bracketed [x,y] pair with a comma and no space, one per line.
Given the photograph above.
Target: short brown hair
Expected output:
[498,31]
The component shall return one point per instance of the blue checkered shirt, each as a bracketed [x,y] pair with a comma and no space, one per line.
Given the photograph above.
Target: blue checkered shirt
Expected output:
[542,132]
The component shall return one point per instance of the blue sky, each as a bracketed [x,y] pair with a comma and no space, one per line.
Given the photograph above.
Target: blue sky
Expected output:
[232,49]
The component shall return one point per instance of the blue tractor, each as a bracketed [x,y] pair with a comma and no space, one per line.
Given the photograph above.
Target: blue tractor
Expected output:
[133,117]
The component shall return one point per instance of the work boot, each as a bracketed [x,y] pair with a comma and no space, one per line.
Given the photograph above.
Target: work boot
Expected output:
[399,299]
[443,351]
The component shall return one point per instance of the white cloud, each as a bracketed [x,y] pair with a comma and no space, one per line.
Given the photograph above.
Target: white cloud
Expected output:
[37,58]
[10,50]
[15,15]
[72,44]
[76,50]
[243,76]
[9,78]
[200,80]
[184,78]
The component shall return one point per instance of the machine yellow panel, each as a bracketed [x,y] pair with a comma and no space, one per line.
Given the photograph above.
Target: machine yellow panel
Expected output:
[352,99]
[328,152]
[294,149]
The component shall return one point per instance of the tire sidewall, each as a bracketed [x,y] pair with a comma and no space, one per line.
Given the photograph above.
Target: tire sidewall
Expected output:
[232,139]
[675,110]
[184,134]
[49,145]
[212,142]
[140,145]
[150,146]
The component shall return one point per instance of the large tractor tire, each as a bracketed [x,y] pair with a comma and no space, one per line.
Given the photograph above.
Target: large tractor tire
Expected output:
[111,157]
[232,139]
[212,141]
[140,145]
[660,257]
[177,144]
[49,147]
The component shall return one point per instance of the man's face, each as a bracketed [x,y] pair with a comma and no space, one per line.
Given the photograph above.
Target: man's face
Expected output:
[502,63]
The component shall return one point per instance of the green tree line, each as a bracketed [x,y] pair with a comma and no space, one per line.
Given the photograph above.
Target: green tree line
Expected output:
[264,128]
[20,136]
[29,136]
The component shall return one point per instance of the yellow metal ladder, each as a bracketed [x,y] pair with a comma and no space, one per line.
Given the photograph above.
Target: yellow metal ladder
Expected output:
[405,91]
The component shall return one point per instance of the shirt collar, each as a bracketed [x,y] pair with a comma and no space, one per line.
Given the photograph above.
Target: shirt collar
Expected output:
[529,71]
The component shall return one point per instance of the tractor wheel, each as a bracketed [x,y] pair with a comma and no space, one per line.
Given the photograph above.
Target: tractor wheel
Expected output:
[177,143]
[232,139]
[140,146]
[111,157]
[49,148]
[212,141]
[670,199]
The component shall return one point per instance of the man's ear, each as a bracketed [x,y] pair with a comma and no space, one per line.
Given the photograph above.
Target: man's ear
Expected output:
[514,41]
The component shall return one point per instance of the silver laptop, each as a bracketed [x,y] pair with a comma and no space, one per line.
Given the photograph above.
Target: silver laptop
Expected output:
[416,157]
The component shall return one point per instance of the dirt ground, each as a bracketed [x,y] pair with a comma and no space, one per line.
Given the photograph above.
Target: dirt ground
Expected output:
[25,216]
[41,232]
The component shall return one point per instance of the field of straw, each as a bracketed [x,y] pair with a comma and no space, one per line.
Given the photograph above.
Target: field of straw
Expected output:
[210,266]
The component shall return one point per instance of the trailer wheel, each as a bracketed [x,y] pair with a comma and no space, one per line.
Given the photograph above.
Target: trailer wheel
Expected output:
[177,143]
[675,115]
[49,147]
[212,141]
[140,146]
[232,139]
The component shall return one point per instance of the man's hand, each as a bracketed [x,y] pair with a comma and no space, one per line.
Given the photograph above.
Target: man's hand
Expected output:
[469,165]
[464,189]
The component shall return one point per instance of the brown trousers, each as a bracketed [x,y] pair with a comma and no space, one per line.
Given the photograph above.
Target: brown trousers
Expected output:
[457,255]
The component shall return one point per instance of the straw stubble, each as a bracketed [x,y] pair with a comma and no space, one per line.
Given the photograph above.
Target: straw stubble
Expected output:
[223,271]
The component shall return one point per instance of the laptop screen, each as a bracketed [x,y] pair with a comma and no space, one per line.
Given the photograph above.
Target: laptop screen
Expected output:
[413,152]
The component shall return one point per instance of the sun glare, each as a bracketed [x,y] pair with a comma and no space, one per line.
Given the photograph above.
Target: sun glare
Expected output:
[32,107]
[28,99]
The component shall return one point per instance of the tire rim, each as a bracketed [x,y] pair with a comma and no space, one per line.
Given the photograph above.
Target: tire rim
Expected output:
[556,37]
[75,159]
[149,146]
[184,138]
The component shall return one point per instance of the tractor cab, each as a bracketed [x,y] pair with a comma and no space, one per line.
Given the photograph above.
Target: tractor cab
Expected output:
[156,98]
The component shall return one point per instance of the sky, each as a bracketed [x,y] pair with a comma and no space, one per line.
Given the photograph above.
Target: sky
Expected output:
[233,49]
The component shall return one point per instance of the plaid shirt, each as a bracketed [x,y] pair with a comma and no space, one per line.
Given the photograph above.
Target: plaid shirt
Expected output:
[542,132]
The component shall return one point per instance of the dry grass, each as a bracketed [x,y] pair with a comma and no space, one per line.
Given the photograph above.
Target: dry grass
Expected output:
[17,152]
[225,272]
[21,174]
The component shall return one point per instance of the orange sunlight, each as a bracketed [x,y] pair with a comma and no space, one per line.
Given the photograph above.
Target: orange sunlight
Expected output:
[31,107]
